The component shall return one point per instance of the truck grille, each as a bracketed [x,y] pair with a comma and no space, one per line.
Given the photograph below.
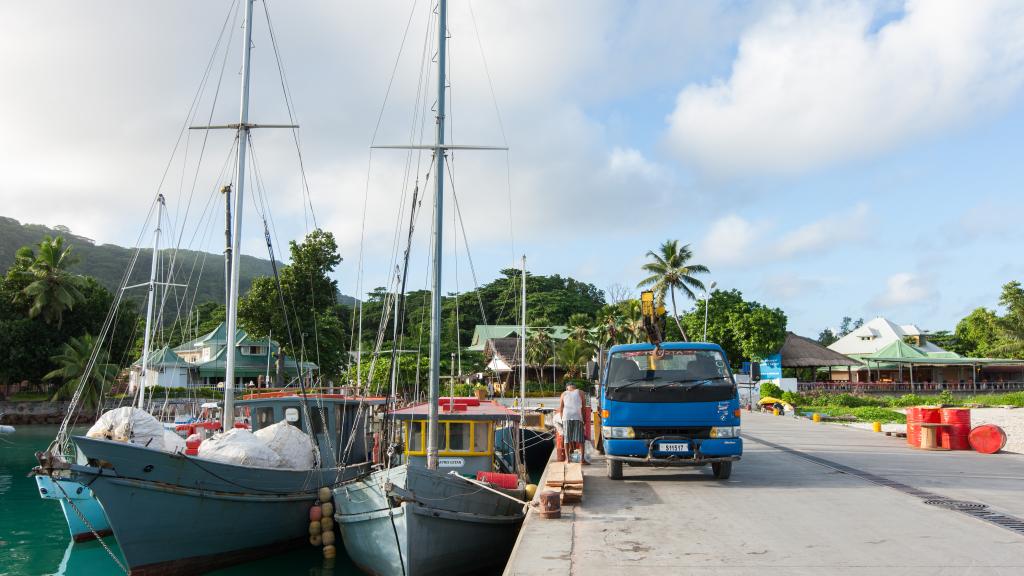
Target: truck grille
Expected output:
[647,432]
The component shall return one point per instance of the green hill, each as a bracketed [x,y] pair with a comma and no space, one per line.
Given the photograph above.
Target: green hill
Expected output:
[107,262]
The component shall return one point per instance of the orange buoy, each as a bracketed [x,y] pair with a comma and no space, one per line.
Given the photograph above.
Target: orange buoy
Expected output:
[956,435]
[987,438]
[315,514]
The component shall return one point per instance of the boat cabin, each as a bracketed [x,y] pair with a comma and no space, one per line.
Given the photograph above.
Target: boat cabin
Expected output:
[466,427]
[347,418]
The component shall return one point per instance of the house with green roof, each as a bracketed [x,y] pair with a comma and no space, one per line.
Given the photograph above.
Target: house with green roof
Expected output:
[484,332]
[202,361]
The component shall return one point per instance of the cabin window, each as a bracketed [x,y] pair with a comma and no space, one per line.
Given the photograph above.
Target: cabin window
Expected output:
[481,436]
[459,435]
[414,437]
[264,417]
[319,418]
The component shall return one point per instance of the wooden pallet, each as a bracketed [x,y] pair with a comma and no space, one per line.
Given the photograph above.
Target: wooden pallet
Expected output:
[566,479]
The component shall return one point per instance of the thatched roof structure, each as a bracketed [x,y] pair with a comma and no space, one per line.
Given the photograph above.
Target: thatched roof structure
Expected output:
[800,352]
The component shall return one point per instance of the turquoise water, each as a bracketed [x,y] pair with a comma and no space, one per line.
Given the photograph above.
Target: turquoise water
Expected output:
[34,536]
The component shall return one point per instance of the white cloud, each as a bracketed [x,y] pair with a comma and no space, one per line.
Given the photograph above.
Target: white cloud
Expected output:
[814,85]
[827,233]
[901,289]
[630,161]
[730,240]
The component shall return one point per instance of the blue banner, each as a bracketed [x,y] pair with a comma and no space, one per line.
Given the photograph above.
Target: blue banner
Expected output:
[771,367]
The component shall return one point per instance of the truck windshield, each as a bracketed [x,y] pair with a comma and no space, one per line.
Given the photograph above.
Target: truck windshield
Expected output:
[669,376]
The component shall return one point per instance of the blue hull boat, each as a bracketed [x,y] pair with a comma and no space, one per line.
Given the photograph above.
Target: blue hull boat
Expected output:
[173,513]
[86,518]
[443,524]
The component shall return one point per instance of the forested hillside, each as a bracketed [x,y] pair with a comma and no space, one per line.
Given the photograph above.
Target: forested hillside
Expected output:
[107,262]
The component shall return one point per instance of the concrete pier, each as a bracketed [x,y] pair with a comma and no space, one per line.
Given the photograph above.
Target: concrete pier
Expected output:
[806,499]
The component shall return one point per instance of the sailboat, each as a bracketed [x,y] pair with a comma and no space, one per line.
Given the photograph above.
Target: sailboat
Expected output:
[177,513]
[83,513]
[425,516]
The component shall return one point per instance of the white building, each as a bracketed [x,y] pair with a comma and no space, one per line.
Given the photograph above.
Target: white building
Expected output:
[880,333]
[164,368]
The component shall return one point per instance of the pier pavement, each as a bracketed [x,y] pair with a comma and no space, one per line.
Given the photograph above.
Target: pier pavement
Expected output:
[805,499]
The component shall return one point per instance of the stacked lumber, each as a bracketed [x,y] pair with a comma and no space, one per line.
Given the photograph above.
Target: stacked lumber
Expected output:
[565,478]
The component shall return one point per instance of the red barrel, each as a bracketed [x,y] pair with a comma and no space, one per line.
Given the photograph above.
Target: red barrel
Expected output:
[956,436]
[987,438]
[913,430]
[917,415]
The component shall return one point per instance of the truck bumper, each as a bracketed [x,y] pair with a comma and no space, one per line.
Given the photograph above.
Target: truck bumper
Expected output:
[646,453]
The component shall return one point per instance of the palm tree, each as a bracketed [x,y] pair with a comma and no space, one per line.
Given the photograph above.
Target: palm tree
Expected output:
[539,350]
[72,362]
[670,271]
[52,289]
[573,355]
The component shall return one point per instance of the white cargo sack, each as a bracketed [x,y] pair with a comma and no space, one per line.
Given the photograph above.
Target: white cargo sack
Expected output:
[129,424]
[241,447]
[172,442]
[293,446]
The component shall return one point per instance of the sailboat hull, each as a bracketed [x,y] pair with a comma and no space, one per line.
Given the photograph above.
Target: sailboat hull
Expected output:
[442,526]
[179,514]
[77,502]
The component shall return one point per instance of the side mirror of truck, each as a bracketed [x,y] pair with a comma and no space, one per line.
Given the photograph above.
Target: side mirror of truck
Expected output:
[593,371]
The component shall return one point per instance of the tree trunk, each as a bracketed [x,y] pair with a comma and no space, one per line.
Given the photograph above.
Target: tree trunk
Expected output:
[675,315]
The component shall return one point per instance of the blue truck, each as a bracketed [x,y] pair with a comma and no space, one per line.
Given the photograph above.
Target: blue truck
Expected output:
[669,404]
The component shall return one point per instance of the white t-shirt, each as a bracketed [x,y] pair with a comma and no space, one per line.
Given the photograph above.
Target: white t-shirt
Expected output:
[572,405]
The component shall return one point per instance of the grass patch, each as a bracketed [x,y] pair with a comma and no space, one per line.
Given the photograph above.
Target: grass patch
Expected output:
[859,413]
[1005,399]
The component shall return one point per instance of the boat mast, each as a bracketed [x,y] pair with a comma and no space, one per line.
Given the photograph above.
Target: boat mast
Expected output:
[149,302]
[435,302]
[236,228]
[522,354]
[226,191]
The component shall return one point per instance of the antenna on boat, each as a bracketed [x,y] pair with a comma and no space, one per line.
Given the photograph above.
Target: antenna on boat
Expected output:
[236,228]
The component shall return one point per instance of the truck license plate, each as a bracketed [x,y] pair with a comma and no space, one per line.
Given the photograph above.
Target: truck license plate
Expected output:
[674,447]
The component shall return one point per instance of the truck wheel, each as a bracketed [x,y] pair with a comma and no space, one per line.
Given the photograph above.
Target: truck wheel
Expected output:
[721,470]
[615,469]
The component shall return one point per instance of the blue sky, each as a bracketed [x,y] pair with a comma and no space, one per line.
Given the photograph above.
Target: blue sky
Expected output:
[829,158]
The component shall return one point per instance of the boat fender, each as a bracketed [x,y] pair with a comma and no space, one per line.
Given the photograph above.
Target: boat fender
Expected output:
[326,523]
[314,514]
[327,509]
[315,528]
[315,539]
[325,494]
[531,490]
[192,444]
[329,551]
[327,537]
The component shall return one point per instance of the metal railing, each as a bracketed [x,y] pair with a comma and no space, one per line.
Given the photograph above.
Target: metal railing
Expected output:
[981,387]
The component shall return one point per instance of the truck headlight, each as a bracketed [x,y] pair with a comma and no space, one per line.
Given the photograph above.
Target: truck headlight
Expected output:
[617,432]
[725,432]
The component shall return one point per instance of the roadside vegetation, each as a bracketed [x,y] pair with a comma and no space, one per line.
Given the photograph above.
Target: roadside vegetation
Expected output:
[885,409]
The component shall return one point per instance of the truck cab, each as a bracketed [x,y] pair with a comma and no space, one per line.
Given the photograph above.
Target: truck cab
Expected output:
[675,404]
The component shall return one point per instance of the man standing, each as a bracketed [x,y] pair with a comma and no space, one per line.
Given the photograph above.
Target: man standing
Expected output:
[570,407]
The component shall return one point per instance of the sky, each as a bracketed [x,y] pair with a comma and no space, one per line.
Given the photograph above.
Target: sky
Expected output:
[829,158]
